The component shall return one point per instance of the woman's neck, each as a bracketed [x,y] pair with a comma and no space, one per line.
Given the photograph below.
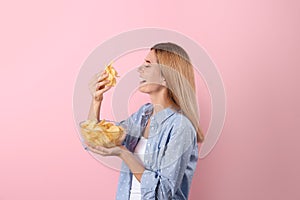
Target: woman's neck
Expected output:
[161,100]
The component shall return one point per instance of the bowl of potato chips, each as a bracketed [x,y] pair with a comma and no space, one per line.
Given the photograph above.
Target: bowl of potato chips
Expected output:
[101,133]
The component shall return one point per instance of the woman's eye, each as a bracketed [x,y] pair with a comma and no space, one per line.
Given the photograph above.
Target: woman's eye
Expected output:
[147,66]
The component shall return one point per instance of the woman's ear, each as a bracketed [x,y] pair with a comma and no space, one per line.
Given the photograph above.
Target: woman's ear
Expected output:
[164,82]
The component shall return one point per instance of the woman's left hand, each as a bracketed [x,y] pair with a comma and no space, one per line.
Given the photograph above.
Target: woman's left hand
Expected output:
[103,151]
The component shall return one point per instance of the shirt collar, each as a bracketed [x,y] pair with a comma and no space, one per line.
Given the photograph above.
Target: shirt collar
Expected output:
[160,116]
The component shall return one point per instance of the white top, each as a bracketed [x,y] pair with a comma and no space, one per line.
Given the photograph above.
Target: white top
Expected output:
[135,192]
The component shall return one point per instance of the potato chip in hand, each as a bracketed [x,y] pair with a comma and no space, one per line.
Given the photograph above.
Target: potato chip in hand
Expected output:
[112,74]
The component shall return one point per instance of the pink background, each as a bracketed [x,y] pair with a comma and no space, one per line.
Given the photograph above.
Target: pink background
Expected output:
[255,45]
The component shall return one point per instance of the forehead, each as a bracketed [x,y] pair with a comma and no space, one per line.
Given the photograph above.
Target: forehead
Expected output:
[151,57]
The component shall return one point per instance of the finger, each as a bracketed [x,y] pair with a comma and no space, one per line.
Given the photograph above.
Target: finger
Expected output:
[92,83]
[102,72]
[92,88]
[96,151]
[102,76]
[102,149]
[98,77]
[93,148]
[89,144]
[101,84]
[94,78]
[98,148]
[101,91]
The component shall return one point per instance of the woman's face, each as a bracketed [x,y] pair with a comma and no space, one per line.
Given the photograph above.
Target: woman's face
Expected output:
[151,79]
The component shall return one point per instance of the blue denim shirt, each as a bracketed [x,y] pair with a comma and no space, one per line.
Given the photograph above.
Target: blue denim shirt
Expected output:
[170,158]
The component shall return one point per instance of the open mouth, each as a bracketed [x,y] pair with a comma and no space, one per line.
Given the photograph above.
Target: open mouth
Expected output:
[142,80]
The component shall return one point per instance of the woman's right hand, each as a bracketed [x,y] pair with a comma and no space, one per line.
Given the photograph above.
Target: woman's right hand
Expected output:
[98,86]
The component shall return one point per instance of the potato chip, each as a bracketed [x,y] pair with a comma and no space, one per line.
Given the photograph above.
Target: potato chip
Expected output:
[113,129]
[112,74]
[102,133]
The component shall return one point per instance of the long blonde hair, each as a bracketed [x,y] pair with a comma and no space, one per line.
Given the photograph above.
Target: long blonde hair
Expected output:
[178,72]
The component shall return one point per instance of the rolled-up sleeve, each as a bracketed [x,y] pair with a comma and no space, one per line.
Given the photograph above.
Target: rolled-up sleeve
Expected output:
[132,127]
[166,181]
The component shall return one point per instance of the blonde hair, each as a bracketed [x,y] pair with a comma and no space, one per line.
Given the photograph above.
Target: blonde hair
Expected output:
[178,72]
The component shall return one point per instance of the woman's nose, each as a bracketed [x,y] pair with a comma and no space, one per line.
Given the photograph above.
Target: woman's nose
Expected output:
[140,69]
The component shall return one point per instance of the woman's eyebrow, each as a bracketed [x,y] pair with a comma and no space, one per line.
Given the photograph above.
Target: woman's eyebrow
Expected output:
[147,61]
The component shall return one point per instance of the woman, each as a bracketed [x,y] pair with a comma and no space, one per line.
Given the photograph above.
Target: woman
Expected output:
[159,151]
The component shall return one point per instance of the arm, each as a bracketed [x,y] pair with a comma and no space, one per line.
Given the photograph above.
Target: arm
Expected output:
[121,151]
[97,87]
[94,113]
[135,166]
[132,125]
[124,151]
[180,157]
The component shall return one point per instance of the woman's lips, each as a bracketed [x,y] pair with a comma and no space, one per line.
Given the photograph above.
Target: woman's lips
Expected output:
[142,80]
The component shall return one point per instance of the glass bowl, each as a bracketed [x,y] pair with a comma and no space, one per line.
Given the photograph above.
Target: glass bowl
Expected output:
[101,133]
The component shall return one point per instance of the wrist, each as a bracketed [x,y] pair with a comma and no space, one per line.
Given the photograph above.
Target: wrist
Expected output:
[124,152]
[96,102]
[94,110]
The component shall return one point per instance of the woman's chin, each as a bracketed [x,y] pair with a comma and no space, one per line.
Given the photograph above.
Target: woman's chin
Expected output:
[149,87]
[143,88]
